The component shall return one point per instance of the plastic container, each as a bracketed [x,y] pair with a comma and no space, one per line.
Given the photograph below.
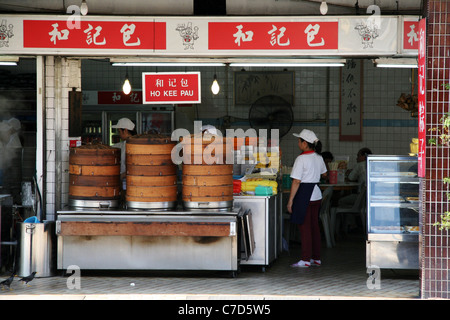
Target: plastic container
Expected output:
[287,181]
[333,176]
[263,191]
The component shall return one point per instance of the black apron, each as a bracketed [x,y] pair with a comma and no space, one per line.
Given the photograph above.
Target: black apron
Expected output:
[301,202]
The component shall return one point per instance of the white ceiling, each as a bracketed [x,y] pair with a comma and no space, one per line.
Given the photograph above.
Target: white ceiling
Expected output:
[233,7]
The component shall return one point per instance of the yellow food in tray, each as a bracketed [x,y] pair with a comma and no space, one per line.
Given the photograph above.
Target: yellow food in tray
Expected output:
[252,183]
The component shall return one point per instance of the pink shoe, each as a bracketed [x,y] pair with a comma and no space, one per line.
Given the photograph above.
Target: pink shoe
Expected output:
[301,264]
[316,263]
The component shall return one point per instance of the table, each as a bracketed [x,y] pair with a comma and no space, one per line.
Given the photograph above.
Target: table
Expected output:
[340,186]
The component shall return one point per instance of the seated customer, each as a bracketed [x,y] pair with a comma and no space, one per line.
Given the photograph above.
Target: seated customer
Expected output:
[357,174]
[327,158]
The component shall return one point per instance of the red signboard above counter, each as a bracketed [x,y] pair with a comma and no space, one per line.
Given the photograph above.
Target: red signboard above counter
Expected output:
[273,35]
[171,87]
[93,34]
[362,35]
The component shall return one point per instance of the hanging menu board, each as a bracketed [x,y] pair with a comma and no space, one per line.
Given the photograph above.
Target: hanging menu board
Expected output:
[350,118]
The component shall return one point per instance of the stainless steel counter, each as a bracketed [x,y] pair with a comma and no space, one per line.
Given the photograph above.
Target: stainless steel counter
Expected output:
[147,240]
[266,221]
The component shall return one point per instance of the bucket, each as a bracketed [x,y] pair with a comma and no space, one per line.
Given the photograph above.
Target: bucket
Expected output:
[151,174]
[94,176]
[37,249]
[333,176]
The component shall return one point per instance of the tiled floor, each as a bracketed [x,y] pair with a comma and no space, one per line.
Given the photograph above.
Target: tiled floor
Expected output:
[342,276]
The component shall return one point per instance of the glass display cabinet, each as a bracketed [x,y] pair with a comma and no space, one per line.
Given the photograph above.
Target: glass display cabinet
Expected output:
[392,212]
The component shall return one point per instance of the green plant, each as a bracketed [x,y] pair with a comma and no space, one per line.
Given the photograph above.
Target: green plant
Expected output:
[443,140]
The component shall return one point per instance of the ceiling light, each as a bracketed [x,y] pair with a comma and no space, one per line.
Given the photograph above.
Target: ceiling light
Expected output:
[288,63]
[396,63]
[8,63]
[168,64]
[323,8]
[9,60]
[126,88]
[84,8]
[215,86]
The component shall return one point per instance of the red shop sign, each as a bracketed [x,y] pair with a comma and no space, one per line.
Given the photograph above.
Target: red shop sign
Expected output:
[94,35]
[410,35]
[171,87]
[118,97]
[422,98]
[273,35]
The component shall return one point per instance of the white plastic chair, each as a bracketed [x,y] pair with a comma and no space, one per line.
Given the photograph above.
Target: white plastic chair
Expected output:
[324,214]
[358,208]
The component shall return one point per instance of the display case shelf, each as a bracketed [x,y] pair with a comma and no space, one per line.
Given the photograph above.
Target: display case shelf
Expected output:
[392,212]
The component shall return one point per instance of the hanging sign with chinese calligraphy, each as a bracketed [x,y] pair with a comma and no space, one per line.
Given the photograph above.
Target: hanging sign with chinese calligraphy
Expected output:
[350,126]
[422,98]
[171,87]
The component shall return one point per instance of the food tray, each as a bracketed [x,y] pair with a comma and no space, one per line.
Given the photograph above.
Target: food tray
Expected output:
[394,199]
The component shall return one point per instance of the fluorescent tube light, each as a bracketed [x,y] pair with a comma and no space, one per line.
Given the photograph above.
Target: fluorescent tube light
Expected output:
[410,63]
[9,60]
[287,65]
[8,63]
[168,64]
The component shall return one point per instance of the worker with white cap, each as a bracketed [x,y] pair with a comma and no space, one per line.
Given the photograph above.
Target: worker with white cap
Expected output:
[305,198]
[126,130]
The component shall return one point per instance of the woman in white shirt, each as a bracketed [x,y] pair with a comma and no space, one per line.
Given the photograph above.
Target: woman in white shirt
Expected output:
[305,198]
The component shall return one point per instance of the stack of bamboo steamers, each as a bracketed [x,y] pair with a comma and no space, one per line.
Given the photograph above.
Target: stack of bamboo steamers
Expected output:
[151,179]
[94,177]
[207,178]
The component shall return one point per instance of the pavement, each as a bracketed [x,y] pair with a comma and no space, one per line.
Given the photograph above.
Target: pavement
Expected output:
[342,276]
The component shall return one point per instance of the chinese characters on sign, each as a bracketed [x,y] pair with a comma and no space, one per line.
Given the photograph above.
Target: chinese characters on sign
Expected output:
[273,35]
[171,88]
[94,34]
[351,102]
[422,98]
[410,35]
[118,97]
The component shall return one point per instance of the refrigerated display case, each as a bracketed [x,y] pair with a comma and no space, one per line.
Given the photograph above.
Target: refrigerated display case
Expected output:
[392,212]
[97,121]
[92,127]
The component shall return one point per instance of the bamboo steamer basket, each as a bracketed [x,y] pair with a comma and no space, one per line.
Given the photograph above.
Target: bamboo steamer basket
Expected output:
[94,177]
[207,181]
[151,174]
[206,149]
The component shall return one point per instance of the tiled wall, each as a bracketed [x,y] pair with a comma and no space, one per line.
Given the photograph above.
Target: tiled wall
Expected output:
[387,129]
[435,260]
[58,85]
